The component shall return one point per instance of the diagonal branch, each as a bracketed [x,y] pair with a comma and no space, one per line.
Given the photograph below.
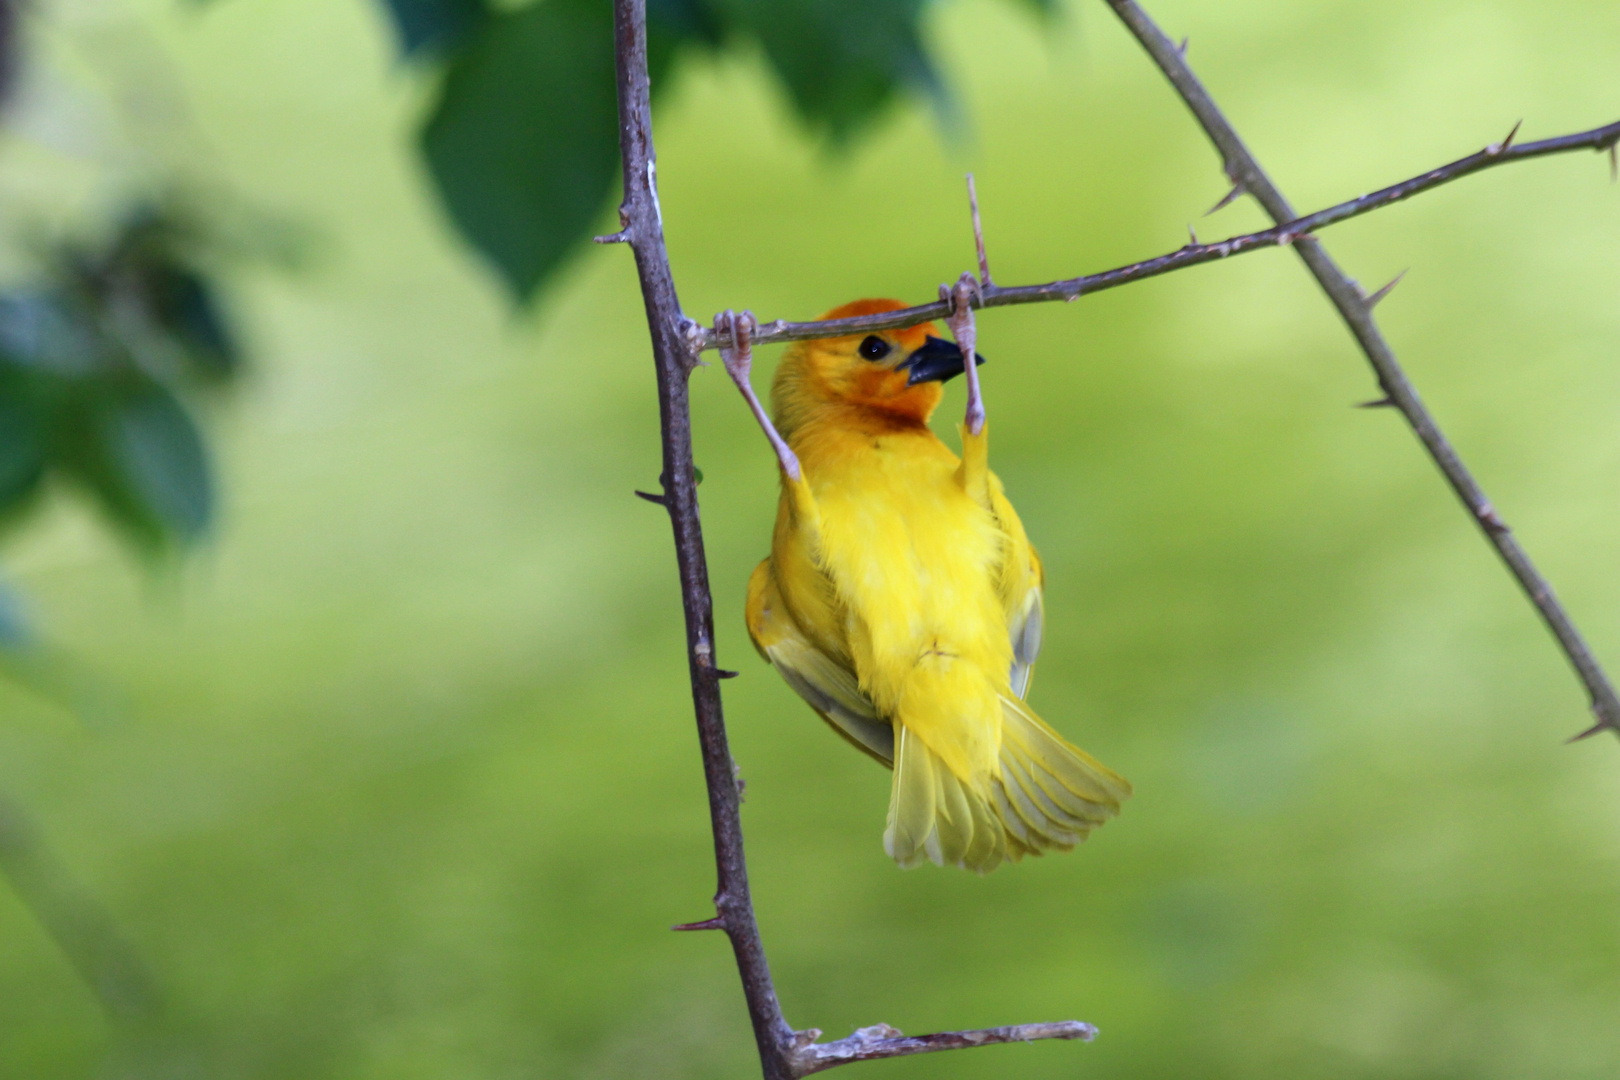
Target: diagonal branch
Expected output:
[1356,310]
[80,926]
[784,1054]
[1290,229]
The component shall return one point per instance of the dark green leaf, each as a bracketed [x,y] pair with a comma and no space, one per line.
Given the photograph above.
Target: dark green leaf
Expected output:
[671,22]
[183,304]
[160,453]
[14,633]
[138,451]
[22,447]
[38,330]
[842,60]
[524,141]
[434,26]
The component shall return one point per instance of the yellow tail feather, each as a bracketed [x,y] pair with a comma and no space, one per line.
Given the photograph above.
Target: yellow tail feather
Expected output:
[934,816]
[1050,793]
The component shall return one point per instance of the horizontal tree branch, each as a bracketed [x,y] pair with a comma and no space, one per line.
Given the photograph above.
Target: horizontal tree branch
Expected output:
[883,1041]
[1194,254]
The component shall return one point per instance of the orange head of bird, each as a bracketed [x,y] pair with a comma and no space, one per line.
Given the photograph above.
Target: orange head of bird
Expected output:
[892,377]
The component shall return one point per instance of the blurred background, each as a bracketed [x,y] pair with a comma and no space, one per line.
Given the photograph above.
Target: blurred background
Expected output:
[344,729]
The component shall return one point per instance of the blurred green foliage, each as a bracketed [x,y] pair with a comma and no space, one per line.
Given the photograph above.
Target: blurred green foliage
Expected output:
[406,784]
[101,345]
[92,361]
[523,139]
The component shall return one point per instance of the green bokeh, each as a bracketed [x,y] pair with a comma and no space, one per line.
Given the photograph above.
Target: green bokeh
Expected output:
[404,783]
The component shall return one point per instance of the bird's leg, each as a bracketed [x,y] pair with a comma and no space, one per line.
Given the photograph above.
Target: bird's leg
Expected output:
[738,357]
[961,298]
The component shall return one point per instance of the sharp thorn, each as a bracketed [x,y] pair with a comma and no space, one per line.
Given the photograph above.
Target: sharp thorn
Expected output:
[1376,403]
[1192,235]
[650,497]
[722,673]
[1182,48]
[1588,733]
[1507,142]
[1373,300]
[1226,200]
[1502,147]
[716,923]
[620,237]
[1614,163]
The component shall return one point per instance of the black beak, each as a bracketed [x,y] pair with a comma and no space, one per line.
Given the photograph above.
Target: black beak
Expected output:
[937,361]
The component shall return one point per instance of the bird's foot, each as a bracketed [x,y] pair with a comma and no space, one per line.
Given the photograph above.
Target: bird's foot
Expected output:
[963,297]
[735,333]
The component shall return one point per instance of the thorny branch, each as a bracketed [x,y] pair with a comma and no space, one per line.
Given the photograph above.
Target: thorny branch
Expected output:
[643,229]
[786,1054]
[1356,309]
[1289,230]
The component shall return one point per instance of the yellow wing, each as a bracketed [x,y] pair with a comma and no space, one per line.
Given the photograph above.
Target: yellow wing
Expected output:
[1021,574]
[830,687]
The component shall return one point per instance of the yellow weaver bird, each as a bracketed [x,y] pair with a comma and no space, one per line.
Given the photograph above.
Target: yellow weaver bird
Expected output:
[902,599]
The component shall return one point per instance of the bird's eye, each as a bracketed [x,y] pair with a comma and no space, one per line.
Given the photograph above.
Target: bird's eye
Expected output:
[874,347]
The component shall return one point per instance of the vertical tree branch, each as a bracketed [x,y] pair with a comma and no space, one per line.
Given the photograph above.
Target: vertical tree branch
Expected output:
[1356,310]
[675,358]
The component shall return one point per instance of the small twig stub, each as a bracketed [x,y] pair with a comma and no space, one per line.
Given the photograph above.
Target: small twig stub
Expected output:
[978,234]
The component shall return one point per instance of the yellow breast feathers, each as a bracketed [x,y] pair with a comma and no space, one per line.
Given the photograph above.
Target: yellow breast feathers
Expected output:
[902,601]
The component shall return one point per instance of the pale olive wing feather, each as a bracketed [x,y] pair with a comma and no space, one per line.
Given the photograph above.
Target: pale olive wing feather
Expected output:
[1025,628]
[832,691]
[830,687]
[1020,579]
